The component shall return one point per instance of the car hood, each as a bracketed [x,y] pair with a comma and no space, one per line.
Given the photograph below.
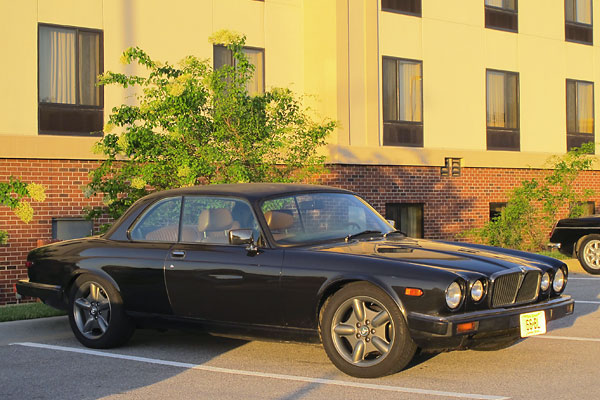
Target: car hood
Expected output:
[451,256]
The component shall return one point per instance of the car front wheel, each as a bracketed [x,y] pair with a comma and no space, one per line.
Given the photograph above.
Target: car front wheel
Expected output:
[589,254]
[96,315]
[364,333]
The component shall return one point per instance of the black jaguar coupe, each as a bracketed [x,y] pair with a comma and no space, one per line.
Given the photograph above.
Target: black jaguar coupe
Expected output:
[298,262]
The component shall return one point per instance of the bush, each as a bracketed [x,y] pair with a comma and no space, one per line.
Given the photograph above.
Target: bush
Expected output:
[14,194]
[195,125]
[534,206]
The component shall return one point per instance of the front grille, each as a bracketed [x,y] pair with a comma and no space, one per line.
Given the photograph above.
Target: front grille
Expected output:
[515,288]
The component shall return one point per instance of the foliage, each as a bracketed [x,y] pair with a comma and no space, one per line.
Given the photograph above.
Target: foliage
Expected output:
[534,206]
[195,125]
[13,195]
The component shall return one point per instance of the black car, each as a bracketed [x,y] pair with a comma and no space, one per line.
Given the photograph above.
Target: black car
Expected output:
[579,237]
[298,262]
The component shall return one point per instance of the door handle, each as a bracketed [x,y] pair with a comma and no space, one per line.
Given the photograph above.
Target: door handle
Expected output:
[178,254]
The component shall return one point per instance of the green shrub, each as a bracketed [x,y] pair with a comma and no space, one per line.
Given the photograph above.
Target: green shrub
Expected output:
[195,125]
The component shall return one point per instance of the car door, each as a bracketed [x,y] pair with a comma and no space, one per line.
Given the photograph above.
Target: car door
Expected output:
[209,279]
[138,264]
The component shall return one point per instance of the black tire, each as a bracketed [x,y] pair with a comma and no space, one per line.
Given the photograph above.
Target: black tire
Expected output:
[588,253]
[96,313]
[382,343]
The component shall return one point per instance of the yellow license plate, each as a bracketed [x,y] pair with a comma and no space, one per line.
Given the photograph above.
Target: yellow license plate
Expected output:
[533,323]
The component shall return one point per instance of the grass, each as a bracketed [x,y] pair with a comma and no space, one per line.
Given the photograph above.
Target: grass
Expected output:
[27,311]
[554,253]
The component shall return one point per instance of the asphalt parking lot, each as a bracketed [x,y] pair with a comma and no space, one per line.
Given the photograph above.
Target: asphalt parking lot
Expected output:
[41,359]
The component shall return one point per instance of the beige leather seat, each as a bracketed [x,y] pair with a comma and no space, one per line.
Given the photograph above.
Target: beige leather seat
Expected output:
[169,234]
[279,222]
[214,224]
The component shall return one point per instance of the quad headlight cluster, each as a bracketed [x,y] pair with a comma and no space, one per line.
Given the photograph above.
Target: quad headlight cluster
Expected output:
[455,293]
[558,282]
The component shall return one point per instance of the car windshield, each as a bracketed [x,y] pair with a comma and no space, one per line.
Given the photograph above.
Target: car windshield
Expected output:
[320,217]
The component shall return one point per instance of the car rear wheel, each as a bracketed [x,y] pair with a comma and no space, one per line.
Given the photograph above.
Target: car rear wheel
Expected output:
[364,333]
[96,315]
[589,254]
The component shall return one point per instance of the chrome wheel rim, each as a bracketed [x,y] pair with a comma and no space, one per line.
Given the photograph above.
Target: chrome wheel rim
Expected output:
[591,254]
[362,331]
[91,310]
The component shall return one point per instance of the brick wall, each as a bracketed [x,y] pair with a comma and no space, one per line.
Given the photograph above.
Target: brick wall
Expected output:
[451,204]
[63,180]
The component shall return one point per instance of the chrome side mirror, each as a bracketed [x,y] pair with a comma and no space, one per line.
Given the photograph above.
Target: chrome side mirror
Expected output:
[392,223]
[239,237]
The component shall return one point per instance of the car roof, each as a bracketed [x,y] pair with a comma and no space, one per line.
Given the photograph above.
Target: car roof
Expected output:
[250,191]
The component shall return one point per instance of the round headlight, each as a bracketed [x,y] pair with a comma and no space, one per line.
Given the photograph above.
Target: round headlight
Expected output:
[545,283]
[453,295]
[559,281]
[477,291]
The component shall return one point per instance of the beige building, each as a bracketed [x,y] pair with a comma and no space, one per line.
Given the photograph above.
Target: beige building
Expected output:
[489,87]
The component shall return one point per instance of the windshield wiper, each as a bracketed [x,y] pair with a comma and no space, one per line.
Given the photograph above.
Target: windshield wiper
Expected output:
[363,233]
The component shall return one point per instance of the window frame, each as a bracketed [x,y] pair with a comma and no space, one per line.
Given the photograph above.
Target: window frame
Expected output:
[505,12]
[574,26]
[493,133]
[404,12]
[576,139]
[415,128]
[496,204]
[263,52]
[399,205]
[99,109]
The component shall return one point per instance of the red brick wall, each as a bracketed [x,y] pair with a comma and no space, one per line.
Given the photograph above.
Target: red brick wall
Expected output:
[451,204]
[64,198]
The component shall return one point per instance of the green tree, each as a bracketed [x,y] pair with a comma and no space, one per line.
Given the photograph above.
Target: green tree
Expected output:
[195,125]
[535,205]
[14,194]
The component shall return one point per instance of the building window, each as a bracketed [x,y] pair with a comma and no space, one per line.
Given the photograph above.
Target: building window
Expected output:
[407,216]
[578,21]
[69,62]
[411,7]
[402,102]
[71,228]
[502,110]
[501,14]
[580,113]
[496,210]
[223,56]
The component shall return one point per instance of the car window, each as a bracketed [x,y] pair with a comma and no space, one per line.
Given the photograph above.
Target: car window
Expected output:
[160,223]
[315,217]
[209,219]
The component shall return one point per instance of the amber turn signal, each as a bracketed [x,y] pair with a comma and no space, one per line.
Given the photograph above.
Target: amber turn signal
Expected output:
[413,292]
[465,327]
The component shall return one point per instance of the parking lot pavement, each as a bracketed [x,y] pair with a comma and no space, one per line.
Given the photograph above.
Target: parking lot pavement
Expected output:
[50,363]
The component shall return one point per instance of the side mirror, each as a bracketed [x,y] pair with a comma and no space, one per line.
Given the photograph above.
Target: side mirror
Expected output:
[392,223]
[239,237]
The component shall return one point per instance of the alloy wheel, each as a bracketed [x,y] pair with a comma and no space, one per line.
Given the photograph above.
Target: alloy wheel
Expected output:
[91,310]
[362,331]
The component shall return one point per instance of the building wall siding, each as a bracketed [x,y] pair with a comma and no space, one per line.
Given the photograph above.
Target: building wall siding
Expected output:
[451,204]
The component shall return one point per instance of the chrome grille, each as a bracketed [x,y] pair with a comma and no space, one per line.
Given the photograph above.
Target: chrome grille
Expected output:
[515,288]
[529,287]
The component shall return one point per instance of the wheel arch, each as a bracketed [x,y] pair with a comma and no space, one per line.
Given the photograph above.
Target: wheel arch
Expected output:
[93,272]
[332,286]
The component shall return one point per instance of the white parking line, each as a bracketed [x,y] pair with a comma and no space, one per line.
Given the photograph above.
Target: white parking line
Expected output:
[587,302]
[576,339]
[572,278]
[322,381]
